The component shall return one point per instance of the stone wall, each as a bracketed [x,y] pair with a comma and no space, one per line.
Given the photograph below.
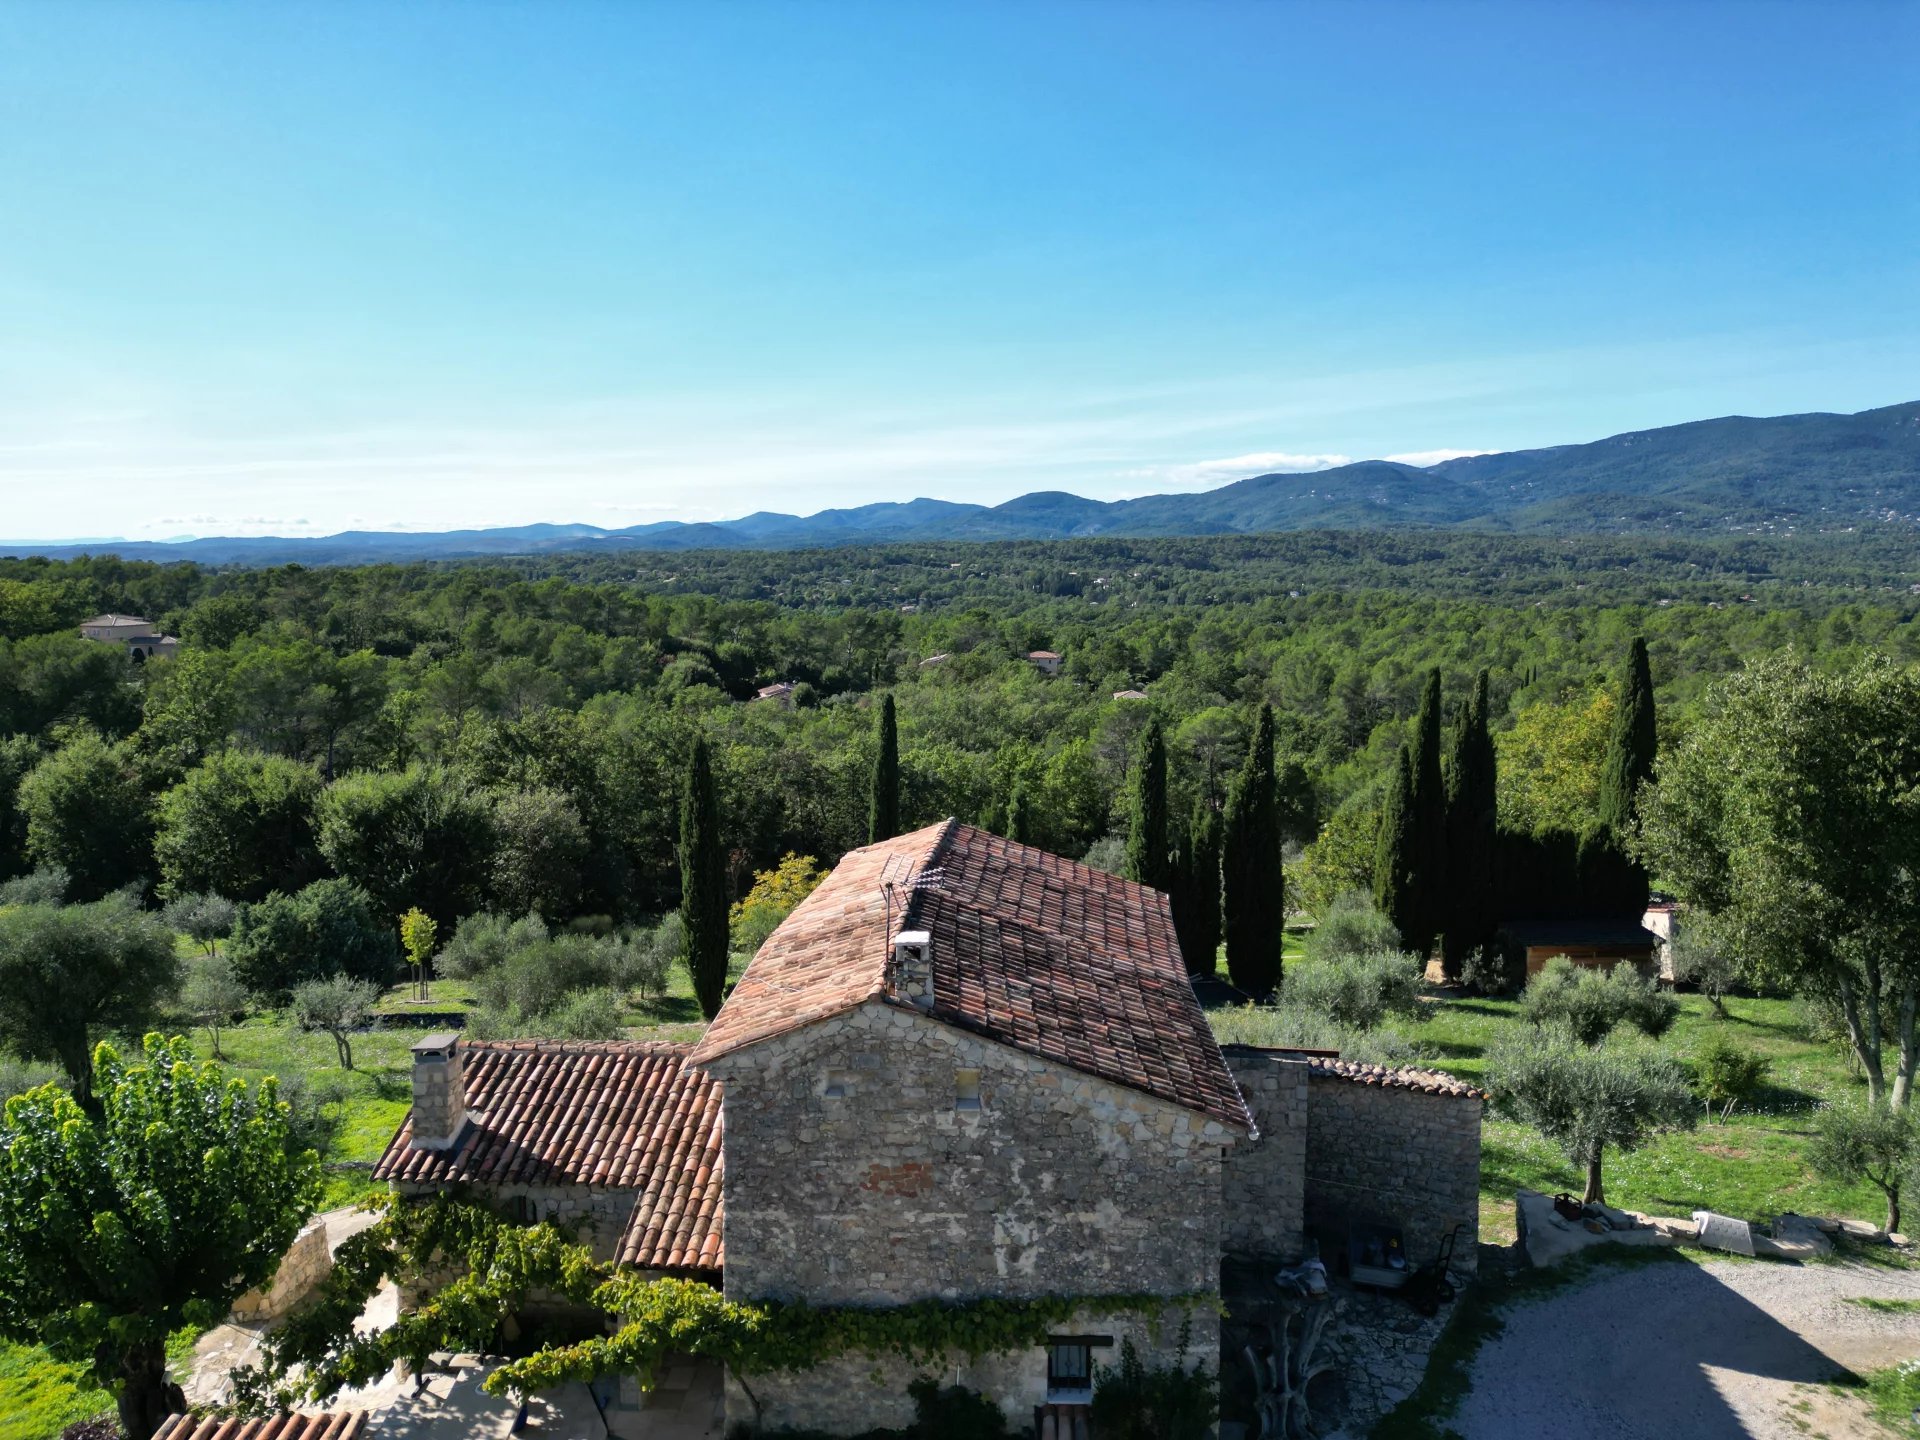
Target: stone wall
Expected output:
[307,1262]
[1393,1155]
[860,1392]
[1264,1183]
[594,1216]
[856,1175]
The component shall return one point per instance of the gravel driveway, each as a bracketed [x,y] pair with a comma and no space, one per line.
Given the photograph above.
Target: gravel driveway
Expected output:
[1725,1350]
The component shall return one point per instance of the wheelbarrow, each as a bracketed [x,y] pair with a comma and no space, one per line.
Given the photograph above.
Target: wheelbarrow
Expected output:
[1430,1287]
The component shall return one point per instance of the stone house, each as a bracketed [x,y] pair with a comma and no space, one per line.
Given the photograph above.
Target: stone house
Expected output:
[961,1069]
[1045,661]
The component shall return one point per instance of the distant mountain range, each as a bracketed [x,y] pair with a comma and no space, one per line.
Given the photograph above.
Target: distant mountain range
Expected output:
[1798,473]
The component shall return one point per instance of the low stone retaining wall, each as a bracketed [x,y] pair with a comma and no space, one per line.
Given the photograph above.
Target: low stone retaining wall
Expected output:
[307,1262]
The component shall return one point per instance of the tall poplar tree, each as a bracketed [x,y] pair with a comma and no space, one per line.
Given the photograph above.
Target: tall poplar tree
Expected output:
[1196,895]
[1254,901]
[703,883]
[1467,919]
[1630,745]
[1393,856]
[1149,853]
[1429,819]
[883,810]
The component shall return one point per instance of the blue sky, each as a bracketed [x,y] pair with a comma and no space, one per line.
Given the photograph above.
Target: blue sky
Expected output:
[293,268]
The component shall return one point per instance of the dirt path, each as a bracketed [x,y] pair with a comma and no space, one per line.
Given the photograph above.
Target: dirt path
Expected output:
[1725,1350]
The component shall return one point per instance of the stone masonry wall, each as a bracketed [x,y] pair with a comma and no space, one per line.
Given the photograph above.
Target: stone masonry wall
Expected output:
[1387,1154]
[890,1191]
[307,1262]
[594,1216]
[1264,1183]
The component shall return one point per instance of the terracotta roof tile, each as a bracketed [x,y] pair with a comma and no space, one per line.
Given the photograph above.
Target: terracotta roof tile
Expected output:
[336,1425]
[610,1114]
[1039,953]
[1428,1082]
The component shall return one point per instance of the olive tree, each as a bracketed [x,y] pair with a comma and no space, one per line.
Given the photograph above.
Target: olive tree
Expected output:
[119,1228]
[1881,1146]
[1789,816]
[338,1005]
[1590,1004]
[1590,1099]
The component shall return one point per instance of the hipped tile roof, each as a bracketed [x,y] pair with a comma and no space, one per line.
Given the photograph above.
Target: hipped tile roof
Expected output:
[608,1114]
[337,1425]
[1053,958]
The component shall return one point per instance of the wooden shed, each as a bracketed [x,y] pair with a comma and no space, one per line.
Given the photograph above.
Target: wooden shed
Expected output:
[1599,944]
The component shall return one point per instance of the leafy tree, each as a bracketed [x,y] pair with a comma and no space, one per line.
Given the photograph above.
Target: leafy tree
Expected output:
[774,896]
[1395,855]
[1701,957]
[418,936]
[1021,822]
[213,995]
[1550,764]
[1196,898]
[1631,744]
[486,939]
[38,887]
[540,847]
[1149,852]
[205,919]
[1351,926]
[87,813]
[330,927]
[420,836]
[68,973]
[1426,889]
[1589,1099]
[1472,832]
[1787,816]
[1728,1074]
[703,883]
[1340,859]
[18,755]
[883,811]
[240,825]
[1253,900]
[338,1005]
[155,1211]
[1877,1144]
[1590,1004]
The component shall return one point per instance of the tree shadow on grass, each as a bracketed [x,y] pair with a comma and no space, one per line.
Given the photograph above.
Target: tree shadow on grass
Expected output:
[671,1010]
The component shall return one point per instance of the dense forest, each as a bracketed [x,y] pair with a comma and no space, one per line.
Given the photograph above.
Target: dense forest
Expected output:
[515,735]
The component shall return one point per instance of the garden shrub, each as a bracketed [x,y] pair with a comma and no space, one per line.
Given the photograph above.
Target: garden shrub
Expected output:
[1357,991]
[1352,926]
[1591,1004]
[328,928]
[953,1412]
[1135,1401]
[1727,1074]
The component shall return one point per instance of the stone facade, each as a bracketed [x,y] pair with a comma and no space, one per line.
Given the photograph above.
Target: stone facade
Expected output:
[592,1215]
[861,1170]
[307,1262]
[1264,1183]
[1400,1156]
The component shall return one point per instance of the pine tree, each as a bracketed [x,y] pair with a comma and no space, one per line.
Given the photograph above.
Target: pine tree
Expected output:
[1467,918]
[1393,856]
[1254,911]
[1429,819]
[1196,896]
[1630,745]
[1148,850]
[703,883]
[883,811]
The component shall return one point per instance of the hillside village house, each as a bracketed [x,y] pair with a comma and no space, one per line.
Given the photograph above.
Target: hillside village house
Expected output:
[1045,661]
[135,634]
[962,1068]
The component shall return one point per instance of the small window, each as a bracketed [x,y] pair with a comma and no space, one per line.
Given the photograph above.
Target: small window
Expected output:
[522,1210]
[966,1089]
[1069,1366]
[839,1085]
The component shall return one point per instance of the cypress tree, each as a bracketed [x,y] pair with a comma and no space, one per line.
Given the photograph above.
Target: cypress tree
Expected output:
[1148,852]
[1254,910]
[1467,920]
[883,810]
[1020,826]
[1630,744]
[1429,820]
[1393,855]
[703,883]
[1196,897]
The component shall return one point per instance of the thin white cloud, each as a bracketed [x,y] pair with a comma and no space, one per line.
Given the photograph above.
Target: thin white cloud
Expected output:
[1424,458]
[1205,474]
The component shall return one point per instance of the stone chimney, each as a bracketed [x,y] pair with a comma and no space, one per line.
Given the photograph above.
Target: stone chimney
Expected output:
[439,1093]
[913,968]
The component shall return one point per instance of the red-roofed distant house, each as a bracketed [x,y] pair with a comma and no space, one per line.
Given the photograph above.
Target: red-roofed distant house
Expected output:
[1045,661]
